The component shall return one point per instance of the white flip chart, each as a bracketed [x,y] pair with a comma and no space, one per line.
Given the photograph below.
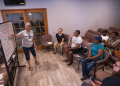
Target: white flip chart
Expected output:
[7,41]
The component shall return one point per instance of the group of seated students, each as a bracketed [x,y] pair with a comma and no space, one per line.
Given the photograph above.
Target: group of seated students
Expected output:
[95,53]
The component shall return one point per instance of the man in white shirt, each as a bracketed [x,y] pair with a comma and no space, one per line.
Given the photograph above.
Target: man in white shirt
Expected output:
[74,47]
[104,36]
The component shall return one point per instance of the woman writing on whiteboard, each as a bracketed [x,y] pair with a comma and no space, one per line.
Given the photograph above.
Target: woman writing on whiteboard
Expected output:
[28,43]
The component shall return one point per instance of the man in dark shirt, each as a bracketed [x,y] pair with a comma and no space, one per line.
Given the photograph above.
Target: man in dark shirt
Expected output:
[59,40]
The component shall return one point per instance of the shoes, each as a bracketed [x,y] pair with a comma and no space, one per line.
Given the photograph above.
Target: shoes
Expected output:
[62,53]
[69,64]
[84,77]
[66,60]
[54,52]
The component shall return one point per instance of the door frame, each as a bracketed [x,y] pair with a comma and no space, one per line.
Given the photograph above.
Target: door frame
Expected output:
[3,12]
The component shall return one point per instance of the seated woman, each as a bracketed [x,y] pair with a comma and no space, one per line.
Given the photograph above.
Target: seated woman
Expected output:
[59,40]
[112,43]
[113,80]
[95,53]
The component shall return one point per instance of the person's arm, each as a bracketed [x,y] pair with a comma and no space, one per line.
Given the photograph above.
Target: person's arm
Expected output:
[97,83]
[79,42]
[106,43]
[111,46]
[56,40]
[89,53]
[77,46]
[34,43]
[62,40]
[19,35]
[103,41]
[15,35]
[70,44]
[100,51]
[114,46]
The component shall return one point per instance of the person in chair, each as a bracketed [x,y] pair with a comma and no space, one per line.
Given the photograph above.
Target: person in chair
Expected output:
[74,47]
[95,54]
[59,40]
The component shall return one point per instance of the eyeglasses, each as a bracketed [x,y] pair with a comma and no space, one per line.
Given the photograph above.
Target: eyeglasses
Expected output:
[117,65]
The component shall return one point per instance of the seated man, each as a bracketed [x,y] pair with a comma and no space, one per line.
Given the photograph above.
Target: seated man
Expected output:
[104,36]
[74,47]
[95,54]
[59,40]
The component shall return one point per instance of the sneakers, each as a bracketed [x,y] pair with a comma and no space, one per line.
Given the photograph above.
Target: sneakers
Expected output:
[54,52]
[66,60]
[84,77]
[62,53]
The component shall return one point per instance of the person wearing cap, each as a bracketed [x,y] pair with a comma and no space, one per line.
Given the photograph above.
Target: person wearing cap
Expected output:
[59,40]
[95,53]
[28,43]
[113,42]
[74,47]
[104,36]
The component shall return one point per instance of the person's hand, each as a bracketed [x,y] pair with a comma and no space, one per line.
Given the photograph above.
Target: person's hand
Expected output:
[92,83]
[58,45]
[12,34]
[88,57]
[35,46]
[69,48]
[97,83]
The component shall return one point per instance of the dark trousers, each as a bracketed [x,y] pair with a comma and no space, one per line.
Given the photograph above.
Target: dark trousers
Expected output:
[26,52]
[87,66]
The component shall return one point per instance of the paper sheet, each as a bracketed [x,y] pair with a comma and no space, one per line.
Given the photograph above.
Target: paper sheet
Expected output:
[1,75]
[49,42]
[1,85]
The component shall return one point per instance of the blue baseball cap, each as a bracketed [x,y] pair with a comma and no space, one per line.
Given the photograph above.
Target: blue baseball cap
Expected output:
[98,38]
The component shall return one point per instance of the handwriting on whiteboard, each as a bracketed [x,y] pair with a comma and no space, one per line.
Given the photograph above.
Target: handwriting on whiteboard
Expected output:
[7,41]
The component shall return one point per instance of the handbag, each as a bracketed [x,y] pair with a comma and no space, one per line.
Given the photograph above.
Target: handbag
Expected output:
[111,51]
[117,53]
[83,50]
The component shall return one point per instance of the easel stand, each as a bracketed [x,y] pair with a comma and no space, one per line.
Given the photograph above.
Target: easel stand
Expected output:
[12,61]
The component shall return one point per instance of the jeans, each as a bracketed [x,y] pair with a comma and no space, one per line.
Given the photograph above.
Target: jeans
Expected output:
[87,66]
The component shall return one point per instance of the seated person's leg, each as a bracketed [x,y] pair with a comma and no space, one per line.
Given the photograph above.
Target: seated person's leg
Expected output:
[90,65]
[66,51]
[84,67]
[61,47]
[55,45]
[70,58]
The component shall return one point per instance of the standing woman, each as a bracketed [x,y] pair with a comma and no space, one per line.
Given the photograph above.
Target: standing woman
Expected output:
[28,43]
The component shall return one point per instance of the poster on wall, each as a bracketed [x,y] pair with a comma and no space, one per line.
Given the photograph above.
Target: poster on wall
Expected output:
[7,41]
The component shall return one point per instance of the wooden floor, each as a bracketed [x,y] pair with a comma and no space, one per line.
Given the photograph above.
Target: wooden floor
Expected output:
[51,71]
